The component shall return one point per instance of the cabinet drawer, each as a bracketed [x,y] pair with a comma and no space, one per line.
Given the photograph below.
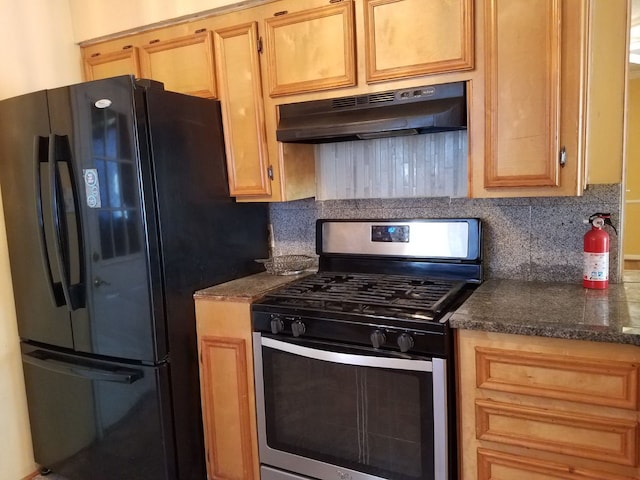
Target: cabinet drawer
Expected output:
[577,379]
[502,466]
[586,436]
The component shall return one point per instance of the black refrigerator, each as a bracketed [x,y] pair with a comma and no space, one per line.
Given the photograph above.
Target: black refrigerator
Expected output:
[117,209]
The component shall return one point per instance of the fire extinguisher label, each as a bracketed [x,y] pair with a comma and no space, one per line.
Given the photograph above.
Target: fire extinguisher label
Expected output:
[596,266]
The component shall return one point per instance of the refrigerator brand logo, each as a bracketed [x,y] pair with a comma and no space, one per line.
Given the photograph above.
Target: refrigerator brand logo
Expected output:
[103,103]
[91,187]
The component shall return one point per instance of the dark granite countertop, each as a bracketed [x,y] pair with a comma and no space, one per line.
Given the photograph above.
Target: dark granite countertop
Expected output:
[247,289]
[558,310]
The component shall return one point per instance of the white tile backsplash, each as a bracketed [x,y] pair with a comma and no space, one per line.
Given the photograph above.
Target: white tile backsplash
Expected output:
[429,165]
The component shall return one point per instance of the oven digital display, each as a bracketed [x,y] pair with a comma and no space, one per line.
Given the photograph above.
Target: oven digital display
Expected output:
[390,233]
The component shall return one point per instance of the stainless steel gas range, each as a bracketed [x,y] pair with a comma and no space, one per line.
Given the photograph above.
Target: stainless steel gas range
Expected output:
[354,364]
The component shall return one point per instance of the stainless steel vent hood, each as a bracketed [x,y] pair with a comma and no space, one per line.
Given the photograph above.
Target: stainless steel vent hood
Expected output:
[411,111]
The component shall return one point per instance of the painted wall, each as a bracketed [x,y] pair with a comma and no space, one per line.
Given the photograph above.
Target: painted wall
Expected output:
[38,52]
[97,18]
[632,194]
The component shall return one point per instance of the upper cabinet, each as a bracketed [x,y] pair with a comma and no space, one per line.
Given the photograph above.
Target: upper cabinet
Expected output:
[184,64]
[542,78]
[310,50]
[534,94]
[105,63]
[180,59]
[240,83]
[408,38]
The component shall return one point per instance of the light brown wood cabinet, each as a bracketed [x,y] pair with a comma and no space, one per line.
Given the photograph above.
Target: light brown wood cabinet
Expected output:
[532,407]
[535,67]
[179,58]
[125,61]
[312,49]
[259,168]
[409,38]
[239,77]
[227,390]
[532,70]
[184,64]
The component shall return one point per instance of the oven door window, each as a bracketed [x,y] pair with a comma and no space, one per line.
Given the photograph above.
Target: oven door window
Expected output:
[370,419]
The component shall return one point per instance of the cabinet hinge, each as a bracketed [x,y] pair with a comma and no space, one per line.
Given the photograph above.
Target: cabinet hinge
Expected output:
[259,44]
[563,156]
[270,172]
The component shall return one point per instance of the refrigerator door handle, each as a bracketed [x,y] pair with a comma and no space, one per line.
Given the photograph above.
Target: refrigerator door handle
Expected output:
[40,149]
[60,152]
[86,369]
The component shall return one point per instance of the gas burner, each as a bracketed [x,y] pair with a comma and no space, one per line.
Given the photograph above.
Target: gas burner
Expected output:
[373,283]
[373,294]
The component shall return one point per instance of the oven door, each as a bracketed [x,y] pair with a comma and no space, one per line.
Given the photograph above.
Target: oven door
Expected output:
[330,412]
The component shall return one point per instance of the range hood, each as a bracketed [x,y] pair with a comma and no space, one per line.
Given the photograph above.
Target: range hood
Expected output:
[411,111]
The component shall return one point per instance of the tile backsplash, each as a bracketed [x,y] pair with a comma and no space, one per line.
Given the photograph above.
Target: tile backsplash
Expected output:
[524,238]
[433,165]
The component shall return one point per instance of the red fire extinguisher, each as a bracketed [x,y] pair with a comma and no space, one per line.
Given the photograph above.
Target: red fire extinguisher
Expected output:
[596,253]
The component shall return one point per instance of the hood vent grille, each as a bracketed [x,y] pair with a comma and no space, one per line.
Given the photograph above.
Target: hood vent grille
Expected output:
[429,109]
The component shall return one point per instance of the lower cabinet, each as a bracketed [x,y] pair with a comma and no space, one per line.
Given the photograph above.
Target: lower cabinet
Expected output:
[545,408]
[227,390]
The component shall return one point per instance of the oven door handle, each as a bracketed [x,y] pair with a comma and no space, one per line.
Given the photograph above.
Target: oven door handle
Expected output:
[348,358]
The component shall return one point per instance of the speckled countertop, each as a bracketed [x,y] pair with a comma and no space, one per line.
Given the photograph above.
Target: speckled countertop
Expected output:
[545,309]
[247,289]
[559,310]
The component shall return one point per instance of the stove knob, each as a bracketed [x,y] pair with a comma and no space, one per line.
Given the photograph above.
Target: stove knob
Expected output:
[405,342]
[377,339]
[298,328]
[277,325]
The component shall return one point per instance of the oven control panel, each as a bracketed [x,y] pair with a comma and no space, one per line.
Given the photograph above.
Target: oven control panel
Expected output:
[390,233]
[429,341]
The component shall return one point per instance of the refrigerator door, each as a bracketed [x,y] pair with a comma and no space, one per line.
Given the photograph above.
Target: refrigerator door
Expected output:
[107,215]
[26,157]
[206,238]
[98,420]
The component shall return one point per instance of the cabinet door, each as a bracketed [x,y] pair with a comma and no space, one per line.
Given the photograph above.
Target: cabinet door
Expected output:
[183,64]
[238,71]
[100,65]
[533,94]
[227,392]
[407,38]
[311,50]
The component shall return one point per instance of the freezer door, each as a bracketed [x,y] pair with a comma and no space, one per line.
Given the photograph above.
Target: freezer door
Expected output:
[98,420]
[109,231]
[26,175]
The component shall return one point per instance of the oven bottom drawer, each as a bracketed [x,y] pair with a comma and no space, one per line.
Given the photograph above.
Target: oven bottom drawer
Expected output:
[267,473]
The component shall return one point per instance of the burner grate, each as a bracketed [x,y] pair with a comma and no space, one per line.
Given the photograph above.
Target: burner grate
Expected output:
[368,293]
